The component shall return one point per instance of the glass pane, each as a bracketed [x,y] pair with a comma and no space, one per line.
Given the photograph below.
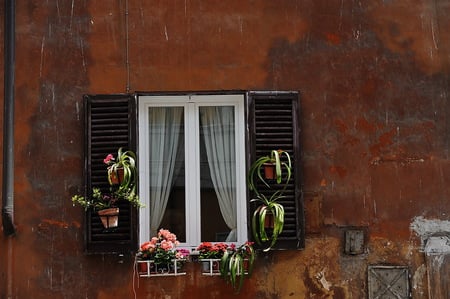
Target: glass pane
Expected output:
[217,174]
[166,170]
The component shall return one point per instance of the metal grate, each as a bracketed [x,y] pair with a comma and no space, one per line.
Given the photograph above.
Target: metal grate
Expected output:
[388,282]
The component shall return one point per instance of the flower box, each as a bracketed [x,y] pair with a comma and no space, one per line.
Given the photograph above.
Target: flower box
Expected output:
[211,267]
[148,268]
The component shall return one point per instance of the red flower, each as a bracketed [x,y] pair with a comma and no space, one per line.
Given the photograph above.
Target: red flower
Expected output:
[212,251]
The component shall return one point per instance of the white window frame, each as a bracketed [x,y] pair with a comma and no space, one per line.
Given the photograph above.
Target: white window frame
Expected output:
[191,104]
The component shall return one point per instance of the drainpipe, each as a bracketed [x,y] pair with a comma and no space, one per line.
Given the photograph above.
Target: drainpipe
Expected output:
[8,122]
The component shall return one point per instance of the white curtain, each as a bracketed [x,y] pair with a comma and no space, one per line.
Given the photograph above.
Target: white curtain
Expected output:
[165,127]
[219,136]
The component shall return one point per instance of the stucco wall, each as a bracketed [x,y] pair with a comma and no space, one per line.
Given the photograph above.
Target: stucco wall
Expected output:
[374,83]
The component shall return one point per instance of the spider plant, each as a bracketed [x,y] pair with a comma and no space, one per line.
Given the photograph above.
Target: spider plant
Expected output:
[126,162]
[275,158]
[269,207]
[236,263]
[267,197]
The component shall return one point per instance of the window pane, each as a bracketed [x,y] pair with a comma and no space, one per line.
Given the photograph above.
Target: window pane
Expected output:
[218,174]
[166,170]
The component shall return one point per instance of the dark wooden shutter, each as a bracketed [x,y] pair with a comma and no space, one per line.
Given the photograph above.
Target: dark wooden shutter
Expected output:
[110,123]
[273,123]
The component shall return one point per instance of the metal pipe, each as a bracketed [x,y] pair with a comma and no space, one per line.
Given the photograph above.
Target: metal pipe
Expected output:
[8,121]
[127,46]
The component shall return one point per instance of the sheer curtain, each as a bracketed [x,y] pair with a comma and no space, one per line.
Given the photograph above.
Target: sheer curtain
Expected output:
[217,124]
[165,127]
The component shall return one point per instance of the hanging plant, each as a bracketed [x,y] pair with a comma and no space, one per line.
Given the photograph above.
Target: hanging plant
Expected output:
[267,198]
[122,169]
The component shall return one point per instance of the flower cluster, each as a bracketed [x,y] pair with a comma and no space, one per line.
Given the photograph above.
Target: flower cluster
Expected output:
[162,249]
[210,250]
[97,201]
[109,159]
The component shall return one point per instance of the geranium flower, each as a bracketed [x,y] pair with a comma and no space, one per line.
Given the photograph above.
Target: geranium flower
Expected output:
[166,245]
[209,250]
[147,246]
[161,249]
[182,253]
[109,159]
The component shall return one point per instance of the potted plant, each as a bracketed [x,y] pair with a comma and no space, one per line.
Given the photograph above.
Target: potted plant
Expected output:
[122,169]
[236,263]
[106,203]
[272,161]
[269,213]
[159,256]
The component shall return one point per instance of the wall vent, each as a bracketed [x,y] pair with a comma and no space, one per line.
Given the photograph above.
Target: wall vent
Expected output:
[388,282]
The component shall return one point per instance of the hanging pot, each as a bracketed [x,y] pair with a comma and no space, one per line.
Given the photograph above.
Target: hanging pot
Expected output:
[269,171]
[109,217]
[269,220]
[116,177]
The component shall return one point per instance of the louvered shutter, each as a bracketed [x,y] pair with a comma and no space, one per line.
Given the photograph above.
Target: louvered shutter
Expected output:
[273,123]
[110,123]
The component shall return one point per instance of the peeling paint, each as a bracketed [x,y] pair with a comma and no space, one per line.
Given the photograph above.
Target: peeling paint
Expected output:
[425,228]
[438,245]
[419,278]
[322,280]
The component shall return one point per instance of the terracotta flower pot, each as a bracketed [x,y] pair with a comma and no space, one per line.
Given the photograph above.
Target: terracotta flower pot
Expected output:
[269,171]
[269,220]
[143,268]
[116,177]
[109,217]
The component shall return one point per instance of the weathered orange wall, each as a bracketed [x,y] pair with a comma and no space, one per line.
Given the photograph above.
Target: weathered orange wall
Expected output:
[374,83]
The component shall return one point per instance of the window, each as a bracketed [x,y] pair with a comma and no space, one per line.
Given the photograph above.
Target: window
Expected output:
[192,179]
[192,167]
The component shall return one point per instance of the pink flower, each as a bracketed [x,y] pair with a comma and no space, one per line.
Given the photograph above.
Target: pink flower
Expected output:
[182,253]
[162,247]
[171,237]
[163,233]
[108,159]
[166,245]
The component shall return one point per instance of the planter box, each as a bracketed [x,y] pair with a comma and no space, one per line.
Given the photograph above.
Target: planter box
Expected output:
[211,267]
[150,269]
